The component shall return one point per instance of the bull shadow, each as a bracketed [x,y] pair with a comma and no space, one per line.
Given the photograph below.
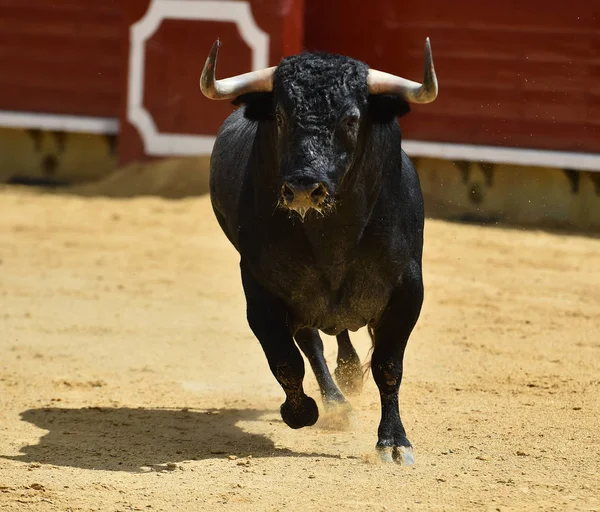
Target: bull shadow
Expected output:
[125,439]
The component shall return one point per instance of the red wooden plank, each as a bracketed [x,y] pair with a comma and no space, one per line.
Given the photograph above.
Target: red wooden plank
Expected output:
[65,5]
[89,23]
[501,132]
[30,98]
[32,56]
[576,15]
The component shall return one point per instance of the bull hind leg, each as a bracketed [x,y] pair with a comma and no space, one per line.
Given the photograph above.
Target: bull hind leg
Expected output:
[311,344]
[390,338]
[348,373]
[267,317]
[339,414]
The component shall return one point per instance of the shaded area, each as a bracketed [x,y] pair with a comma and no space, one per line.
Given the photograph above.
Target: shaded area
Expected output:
[500,224]
[124,439]
[172,178]
[35,181]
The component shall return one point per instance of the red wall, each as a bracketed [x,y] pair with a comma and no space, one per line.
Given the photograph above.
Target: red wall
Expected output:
[63,56]
[512,73]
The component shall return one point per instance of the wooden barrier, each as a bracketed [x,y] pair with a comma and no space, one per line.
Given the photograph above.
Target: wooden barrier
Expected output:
[168,41]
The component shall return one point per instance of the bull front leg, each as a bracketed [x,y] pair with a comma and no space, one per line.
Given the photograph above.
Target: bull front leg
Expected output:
[267,317]
[391,335]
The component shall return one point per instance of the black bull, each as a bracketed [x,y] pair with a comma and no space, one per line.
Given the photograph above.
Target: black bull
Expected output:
[309,182]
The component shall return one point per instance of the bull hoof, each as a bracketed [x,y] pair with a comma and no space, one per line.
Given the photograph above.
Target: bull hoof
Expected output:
[333,399]
[304,413]
[402,455]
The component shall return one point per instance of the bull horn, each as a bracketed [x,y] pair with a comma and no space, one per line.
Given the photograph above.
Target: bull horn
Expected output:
[414,92]
[255,81]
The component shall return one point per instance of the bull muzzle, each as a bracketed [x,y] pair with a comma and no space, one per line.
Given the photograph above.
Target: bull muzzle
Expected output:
[301,196]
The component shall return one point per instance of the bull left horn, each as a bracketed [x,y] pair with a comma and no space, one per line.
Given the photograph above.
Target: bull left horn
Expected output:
[414,92]
[255,81]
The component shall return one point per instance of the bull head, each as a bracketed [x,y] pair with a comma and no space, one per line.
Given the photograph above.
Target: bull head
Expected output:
[319,106]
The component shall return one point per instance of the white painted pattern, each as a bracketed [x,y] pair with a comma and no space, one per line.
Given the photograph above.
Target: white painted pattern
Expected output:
[504,155]
[58,122]
[239,12]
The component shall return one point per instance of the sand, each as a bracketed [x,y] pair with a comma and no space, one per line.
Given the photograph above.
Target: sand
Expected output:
[129,379]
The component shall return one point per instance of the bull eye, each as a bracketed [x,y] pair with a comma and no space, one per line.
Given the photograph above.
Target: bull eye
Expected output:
[279,119]
[350,122]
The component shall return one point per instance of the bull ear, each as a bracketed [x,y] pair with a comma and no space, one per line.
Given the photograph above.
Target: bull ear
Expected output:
[259,105]
[385,108]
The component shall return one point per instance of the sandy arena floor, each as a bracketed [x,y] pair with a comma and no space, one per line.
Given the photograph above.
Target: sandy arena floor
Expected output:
[129,379]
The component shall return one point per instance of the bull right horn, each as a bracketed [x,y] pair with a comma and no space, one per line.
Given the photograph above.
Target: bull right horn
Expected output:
[255,81]
[414,92]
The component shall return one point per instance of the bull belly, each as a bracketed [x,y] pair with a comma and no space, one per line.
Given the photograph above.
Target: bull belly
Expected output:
[331,320]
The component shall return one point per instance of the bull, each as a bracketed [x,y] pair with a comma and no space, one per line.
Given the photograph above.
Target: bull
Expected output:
[309,182]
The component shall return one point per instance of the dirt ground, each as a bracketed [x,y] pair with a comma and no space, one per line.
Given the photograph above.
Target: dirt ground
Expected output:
[129,379]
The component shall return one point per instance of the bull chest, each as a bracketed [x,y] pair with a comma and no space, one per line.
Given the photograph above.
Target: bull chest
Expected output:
[329,296]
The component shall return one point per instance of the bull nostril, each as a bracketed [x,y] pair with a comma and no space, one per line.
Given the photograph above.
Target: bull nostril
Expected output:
[287,193]
[319,193]
[307,195]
